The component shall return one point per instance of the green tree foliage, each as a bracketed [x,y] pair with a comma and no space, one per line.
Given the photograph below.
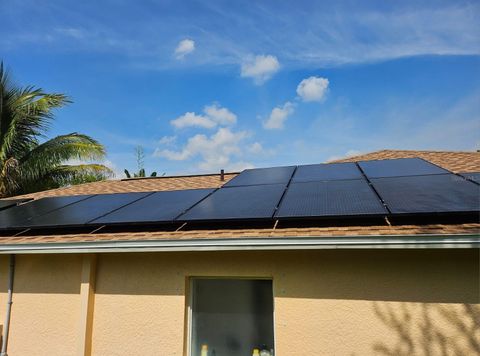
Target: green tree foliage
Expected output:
[29,161]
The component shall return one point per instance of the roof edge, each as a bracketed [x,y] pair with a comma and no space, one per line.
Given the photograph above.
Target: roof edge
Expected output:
[426,241]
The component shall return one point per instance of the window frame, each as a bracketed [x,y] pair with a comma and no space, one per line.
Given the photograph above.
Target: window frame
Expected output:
[189,305]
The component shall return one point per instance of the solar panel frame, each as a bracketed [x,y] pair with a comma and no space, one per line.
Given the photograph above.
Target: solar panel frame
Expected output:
[428,194]
[252,202]
[400,167]
[330,199]
[327,171]
[163,207]
[9,203]
[80,213]
[19,216]
[262,176]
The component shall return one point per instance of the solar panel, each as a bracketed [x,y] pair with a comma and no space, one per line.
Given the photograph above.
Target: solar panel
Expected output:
[8,203]
[330,198]
[86,210]
[158,207]
[246,202]
[475,176]
[428,194]
[259,176]
[19,216]
[327,171]
[399,168]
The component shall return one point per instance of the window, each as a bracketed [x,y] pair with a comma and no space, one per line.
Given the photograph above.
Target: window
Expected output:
[231,317]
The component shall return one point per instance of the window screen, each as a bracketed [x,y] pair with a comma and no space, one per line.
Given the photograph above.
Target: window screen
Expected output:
[231,317]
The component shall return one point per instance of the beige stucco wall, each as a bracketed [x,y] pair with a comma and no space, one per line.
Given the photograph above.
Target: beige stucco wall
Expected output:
[397,302]
[45,310]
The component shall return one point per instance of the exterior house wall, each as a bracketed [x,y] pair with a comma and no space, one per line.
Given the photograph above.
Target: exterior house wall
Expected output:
[327,302]
[46,301]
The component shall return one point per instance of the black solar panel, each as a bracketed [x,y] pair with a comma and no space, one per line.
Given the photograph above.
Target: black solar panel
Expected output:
[475,176]
[247,202]
[329,199]
[19,216]
[443,193]
[328,171]
[158,207]
[259,176]
[86,210]
[399,168]
[9,203]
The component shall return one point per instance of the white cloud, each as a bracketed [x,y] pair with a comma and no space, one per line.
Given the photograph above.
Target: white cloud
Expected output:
[221,116]
[313,88]
[261,68]
[192,119]
[214,115]
[278,116]
[216,151]
[184,47]
[167,140]
[255,148]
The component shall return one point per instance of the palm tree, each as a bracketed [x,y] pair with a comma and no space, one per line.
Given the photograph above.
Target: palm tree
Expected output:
[26,163]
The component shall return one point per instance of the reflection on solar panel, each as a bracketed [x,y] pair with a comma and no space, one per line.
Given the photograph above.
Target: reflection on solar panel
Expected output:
[399,168]
[475,176]
[82,212]
[428,194]
[330,198]
[258,176]
[247,202]
[9,203]
[19,216]
[158,207]
[327,171]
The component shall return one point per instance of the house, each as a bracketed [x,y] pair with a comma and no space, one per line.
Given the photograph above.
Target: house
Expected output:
[372,286]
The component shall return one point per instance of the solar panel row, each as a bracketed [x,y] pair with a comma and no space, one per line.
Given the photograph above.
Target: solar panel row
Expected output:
[336,171]
[314,191]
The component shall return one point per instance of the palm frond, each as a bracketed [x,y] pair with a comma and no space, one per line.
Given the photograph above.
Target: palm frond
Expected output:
[24,115]
[66,175]
[56,151]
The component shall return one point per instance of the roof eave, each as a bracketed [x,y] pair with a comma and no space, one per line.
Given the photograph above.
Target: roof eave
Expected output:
[452,241]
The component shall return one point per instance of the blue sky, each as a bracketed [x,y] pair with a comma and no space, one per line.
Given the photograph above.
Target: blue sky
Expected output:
[204,85]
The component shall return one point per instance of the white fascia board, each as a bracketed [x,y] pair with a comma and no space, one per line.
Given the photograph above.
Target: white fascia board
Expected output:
[247,244]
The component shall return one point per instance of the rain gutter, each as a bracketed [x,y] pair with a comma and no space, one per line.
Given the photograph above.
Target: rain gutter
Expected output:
[248,244]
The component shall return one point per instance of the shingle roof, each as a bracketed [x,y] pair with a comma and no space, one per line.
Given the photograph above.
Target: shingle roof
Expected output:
[137,185]
[455,161]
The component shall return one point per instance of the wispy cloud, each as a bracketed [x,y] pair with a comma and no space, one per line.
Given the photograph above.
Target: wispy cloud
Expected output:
[416,125]
[314,34]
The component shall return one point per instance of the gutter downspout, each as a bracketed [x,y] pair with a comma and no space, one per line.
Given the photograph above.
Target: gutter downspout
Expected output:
[9,306]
